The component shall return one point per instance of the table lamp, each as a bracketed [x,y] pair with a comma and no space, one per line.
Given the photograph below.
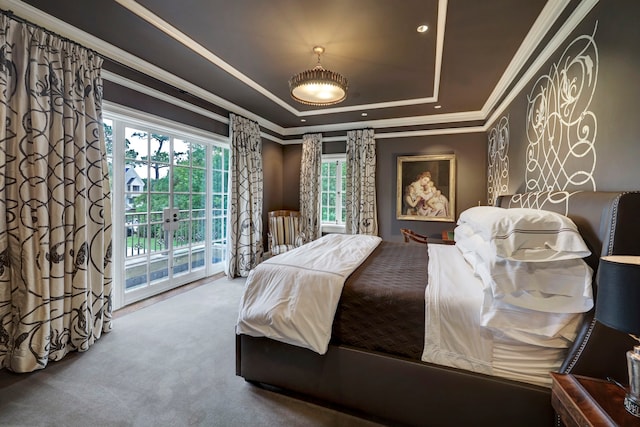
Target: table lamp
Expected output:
[618,306]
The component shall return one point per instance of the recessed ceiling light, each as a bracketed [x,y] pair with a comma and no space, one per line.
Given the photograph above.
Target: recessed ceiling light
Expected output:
[422,28]
[303,120]
[437,106]
[364,114]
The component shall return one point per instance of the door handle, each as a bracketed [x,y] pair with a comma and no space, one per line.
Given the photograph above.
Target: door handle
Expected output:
[171,219]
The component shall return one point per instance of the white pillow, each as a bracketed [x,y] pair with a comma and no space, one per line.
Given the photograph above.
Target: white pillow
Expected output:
[462,231]
[480,218]
[524,234]
[469,245]
[511,323]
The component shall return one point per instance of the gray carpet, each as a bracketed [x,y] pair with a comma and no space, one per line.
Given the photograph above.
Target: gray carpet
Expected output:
[168,364]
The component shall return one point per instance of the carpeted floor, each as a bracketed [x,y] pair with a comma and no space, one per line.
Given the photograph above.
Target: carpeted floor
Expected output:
[168,364]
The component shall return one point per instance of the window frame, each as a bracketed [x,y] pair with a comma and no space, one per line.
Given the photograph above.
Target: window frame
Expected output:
[339,225]
[123,116]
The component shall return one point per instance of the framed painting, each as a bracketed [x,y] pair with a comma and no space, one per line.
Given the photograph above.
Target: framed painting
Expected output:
[426,188]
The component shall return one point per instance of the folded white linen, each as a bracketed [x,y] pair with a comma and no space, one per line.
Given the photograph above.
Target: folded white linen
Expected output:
[517,324]
[526,363]
[293,296]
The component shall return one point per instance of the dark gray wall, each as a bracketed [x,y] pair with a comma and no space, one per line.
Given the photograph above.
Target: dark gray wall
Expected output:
[615,102]
[615,131]
[471,158]
[272,167]
[292,155]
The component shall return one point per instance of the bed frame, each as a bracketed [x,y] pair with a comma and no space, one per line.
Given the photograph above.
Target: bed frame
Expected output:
[407,392]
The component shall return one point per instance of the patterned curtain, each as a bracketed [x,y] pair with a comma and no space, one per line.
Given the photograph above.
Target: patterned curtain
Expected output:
[55,208]
[244,231]
[310,169]
[362,215]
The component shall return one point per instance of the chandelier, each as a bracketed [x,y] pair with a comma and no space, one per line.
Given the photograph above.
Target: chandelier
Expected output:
[318,86]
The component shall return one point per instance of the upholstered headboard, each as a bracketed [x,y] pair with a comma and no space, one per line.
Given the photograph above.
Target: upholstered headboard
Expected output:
[608,223]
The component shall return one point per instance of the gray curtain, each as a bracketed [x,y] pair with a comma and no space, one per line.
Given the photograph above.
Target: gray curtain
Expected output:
[362,214]
[244,231]
[310,169]
[55,208]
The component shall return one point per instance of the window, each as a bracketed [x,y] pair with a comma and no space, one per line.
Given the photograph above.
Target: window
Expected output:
[333,184]
[163,173]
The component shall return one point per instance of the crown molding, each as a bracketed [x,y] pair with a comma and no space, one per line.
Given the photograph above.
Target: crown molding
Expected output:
[442,19]
[542,24]
[407,134]
[110,51]
[139,118]
[432,132]
[545,20]
[377,124]
[164,26]
[442,22]
[391,123]
[138,87]
[570,24]
[130,115]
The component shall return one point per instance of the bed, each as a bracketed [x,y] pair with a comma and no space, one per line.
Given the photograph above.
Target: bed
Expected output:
[388,381]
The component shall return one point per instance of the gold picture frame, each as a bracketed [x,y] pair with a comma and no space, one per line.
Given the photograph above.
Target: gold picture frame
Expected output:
[426,188]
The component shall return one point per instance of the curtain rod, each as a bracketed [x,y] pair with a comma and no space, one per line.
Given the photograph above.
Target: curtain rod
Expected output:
[13,16]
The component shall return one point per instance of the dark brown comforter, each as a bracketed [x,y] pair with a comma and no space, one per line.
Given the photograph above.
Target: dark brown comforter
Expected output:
[382,303]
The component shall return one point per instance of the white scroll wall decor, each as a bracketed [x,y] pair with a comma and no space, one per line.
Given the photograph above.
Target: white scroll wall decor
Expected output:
[498,159]
[561,128]
[557,201]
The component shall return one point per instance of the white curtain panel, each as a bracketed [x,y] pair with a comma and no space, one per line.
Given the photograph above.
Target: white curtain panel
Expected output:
[244,228]
[310,169]
[362,212]
[55,208]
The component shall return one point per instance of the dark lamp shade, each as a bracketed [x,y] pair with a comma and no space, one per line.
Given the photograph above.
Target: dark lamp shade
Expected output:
[618,296]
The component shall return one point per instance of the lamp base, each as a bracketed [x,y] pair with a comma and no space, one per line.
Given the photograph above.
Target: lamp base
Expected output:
[632,405]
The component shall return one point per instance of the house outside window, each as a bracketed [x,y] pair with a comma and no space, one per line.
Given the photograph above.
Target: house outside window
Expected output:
[333,185]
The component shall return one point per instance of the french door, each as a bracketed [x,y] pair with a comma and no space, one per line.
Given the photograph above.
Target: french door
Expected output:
[169,192]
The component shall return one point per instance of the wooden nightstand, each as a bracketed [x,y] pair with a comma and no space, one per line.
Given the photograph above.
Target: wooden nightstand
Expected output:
[447,238]
[583,401]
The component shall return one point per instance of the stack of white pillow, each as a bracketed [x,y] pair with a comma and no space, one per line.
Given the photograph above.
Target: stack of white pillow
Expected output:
[530,262]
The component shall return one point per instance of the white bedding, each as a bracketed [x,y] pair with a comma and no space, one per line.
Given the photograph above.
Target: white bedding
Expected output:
[458,333]
[293,297]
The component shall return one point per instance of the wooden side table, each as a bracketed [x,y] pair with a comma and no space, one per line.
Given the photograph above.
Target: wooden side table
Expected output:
[584,401]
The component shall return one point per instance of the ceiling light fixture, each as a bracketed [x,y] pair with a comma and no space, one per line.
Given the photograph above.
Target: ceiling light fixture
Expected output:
[318,86]
[422,28]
